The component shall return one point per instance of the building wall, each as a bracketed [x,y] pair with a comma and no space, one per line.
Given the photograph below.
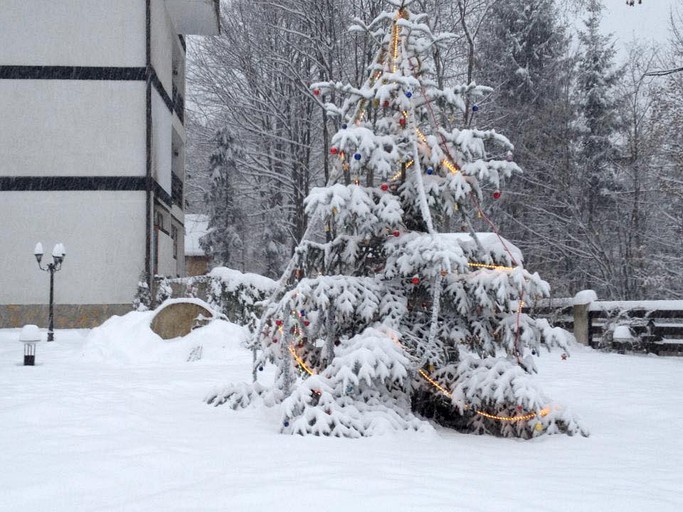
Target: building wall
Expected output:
[103,233]
[72,33]
[85,127]
[168,136]
[72,128]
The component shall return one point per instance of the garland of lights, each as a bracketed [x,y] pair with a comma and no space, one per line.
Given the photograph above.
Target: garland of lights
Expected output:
[510,419]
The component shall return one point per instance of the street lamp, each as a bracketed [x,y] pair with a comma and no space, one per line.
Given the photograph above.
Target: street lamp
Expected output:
[58,254]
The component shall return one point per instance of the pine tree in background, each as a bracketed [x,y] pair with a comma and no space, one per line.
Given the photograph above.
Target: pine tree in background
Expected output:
[597,186]
[522,50]
[379,317]
[227,219]
[598,112]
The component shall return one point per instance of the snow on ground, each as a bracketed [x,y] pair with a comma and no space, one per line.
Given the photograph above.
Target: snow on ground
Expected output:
[99,426]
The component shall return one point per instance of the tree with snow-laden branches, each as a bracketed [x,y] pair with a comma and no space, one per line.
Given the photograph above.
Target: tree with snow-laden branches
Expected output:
[381,319]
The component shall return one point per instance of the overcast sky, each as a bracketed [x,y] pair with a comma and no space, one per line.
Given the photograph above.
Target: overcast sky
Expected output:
[645,22]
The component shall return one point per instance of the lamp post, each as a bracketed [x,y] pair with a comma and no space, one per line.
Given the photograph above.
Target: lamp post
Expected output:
[58,254]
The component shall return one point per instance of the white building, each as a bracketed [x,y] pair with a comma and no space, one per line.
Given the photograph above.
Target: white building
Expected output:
[196,260]
[92,149]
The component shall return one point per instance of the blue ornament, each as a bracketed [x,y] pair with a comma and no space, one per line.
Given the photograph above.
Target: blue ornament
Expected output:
[286,423]
[475,108]
[345,126]
[260,368]
[409,94]
[357,156]
[430,170]
[349,389]
[303,312]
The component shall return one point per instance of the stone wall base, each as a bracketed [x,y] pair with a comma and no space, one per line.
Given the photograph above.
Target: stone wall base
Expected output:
[67,316]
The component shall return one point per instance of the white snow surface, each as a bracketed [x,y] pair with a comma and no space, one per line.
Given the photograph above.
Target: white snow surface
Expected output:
[493,244]
[234,279]
[113,420]
[196,226]
[585,297]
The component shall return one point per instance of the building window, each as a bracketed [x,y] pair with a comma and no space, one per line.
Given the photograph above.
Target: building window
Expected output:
[174,236]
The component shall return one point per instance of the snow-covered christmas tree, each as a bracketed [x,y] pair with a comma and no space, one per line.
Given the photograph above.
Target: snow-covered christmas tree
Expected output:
[381,319]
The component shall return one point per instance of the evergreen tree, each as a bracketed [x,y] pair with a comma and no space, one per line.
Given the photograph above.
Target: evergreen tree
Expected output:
[227,219]
[596,181]
[379,316]
[598,112]
[522,53]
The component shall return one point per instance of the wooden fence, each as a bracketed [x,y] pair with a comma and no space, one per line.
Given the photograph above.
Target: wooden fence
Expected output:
[652,326]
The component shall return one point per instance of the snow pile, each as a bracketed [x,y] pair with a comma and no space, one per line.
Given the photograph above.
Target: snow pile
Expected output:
[585,297]
[129,340]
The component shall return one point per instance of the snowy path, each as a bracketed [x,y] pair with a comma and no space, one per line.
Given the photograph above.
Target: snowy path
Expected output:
[78,436]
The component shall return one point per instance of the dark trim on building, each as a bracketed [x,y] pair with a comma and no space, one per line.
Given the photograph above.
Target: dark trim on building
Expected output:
[82,183]
[161,194]
[148,147]
[154,78]
[72,183]
[181,38]
[71,73]
[174,104]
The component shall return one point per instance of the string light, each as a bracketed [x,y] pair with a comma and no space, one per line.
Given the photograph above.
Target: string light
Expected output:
[300,361]
[525,417]
[395,35]
[492,267]
[450,166]
[445,162]
[421,135]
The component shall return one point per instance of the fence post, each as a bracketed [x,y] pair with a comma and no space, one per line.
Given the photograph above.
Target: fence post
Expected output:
[582,322]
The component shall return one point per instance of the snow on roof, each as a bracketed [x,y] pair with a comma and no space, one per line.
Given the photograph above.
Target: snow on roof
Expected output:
[195,17]
[196,226]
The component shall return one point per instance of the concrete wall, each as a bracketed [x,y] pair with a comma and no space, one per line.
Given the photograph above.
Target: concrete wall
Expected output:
[73,128]
[104,236]
[67,316]
[165,37]
[72,33]
[161,142]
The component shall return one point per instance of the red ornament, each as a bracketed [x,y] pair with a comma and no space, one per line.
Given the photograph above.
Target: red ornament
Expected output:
[386,103]
[415,280]
[496,194]
[384,187]
[334,151]
[519,408]
[316,92]
[278,322]
[396,233]
[274,340]
[307,323]
[402,121]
